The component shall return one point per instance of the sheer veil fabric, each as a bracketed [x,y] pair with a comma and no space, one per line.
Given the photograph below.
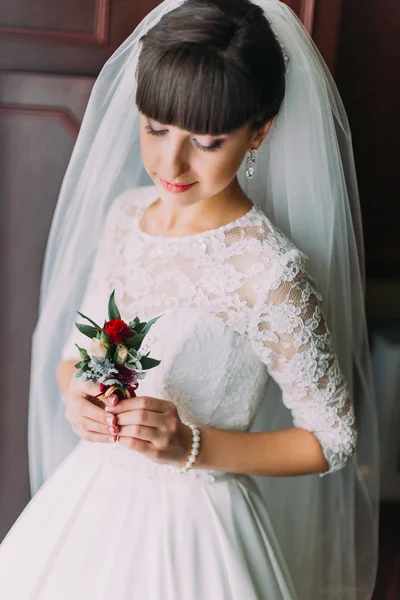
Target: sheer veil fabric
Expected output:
[305,183]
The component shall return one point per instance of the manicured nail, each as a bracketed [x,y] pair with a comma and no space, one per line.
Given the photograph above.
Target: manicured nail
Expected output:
[110,408]
[112,438]
[113,400]
[110,420]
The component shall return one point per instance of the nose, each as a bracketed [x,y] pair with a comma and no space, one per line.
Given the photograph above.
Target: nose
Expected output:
[175,161]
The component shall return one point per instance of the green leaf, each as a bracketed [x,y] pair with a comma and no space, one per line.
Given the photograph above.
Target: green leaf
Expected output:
[87,330]
[134,323]
[149,325]
[130,366]
[81,364]
[104,337]
[135,342]
[139,327]
[90,320]
[84,354]
[149,363]
[113,312]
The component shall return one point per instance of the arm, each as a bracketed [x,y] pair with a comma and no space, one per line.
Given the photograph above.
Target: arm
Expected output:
[65,371]
[290,335]
[270,453]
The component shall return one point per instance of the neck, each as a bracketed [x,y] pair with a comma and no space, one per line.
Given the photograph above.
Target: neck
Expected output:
[164,218]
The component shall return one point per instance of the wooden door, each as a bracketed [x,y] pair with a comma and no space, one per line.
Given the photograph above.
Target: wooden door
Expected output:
[368,76]
[49,58]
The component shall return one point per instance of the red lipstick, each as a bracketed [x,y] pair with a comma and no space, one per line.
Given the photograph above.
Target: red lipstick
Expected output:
[176,188]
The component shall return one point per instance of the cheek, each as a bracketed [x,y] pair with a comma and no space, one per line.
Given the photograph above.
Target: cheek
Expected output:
[148,150]
[222,167]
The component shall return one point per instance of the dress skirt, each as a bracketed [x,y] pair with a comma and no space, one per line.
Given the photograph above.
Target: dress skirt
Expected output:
[109,524]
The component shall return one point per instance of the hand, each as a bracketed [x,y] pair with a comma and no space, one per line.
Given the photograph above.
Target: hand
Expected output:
[86,412]
[153,427]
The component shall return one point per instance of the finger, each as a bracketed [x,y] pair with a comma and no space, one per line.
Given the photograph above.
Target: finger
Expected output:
[85,408]
[109,425]
[96,427]
[110,397]
[110,400]
[102,398]
[90,436]
[154,404]
[77,385]
[121,406]
[142,432]
[136,445]
[92,392]
[141,416]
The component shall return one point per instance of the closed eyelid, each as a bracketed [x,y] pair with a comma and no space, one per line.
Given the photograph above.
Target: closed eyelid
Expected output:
[214,144]
[205,140]
[155,123]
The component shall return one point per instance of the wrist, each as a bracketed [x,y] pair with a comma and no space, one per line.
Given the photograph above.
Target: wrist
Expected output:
[186,443]
[194,447]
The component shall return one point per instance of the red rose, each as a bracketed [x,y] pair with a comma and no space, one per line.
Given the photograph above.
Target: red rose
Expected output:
[118,331]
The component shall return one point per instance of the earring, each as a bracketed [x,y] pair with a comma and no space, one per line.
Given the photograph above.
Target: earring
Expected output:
[251,161]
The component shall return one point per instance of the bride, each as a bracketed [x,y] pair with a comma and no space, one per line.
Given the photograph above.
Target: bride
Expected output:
[212,183]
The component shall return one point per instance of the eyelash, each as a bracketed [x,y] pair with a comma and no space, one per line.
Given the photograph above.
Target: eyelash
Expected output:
[212,148]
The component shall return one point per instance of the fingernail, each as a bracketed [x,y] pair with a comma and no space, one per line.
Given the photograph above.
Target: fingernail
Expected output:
[113,400]
[112,429]
[109,420]
[112,438]
[110,408]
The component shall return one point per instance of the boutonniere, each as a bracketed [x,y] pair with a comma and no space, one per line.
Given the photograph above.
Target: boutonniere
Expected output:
[113,357]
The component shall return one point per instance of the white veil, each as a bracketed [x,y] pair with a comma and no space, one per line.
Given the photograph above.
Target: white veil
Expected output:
[306,184]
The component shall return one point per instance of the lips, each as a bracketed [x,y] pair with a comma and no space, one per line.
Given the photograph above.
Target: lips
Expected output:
[176,188]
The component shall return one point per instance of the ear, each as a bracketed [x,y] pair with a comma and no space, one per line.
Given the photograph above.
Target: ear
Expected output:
[260,135]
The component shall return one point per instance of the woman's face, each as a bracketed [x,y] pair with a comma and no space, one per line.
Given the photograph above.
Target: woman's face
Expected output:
[207,165]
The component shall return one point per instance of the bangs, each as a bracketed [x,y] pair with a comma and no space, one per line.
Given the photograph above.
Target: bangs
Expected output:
[195,90]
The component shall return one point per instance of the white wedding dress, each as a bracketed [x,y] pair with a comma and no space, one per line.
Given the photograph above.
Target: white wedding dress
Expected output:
[238,306]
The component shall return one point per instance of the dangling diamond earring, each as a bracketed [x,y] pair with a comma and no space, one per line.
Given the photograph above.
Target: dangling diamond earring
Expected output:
[251,161]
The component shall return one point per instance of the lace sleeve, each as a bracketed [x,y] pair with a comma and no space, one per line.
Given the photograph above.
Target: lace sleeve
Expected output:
[95,300]
[289,334]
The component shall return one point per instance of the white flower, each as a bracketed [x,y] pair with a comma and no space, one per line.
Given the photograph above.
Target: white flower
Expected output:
[97,348]
[122,354]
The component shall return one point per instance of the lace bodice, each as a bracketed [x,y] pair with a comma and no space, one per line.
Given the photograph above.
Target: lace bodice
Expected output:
[238,306]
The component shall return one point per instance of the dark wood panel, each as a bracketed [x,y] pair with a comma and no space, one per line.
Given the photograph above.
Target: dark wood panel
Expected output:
[326,29]
[56,22]
[39,121]
[368,76]
[305,10]
[74,37]
[388,579]
[53,37]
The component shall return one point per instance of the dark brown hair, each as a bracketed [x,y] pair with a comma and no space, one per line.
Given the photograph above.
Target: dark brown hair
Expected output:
[210,67]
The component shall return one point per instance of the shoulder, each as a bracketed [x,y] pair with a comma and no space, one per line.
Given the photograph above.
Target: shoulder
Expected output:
[268,251]
[127,204]
[273,240]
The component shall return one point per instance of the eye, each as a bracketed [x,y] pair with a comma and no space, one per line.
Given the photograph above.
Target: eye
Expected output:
[217,144]
[160,132]
[156,132]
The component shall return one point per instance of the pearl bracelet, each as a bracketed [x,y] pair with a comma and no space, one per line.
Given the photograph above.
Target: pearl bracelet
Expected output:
[194,452]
